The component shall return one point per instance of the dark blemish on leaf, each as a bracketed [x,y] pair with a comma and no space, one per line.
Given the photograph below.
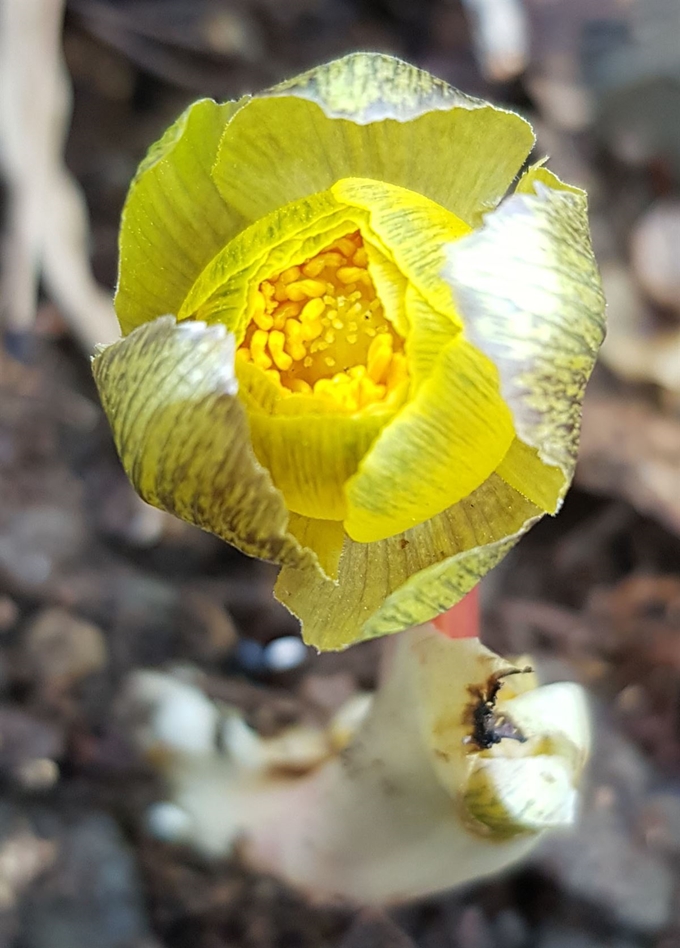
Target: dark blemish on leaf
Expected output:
[390,787]
[488,726]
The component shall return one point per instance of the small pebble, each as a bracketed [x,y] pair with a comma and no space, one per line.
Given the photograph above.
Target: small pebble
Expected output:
[184,719]
[373,928]
[285,653]
[511,929]
[250,656]
[39,773]
[9,613]
[654,252]
[62,648]
[159,708]
[168,822]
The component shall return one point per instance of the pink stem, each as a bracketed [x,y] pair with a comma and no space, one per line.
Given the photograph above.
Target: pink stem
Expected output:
[462,620]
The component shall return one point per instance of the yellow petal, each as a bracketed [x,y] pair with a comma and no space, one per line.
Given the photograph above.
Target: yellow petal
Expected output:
[324,537]
[429,334]
[543,484]
[390,286]
[286,236]
[393,584]
[169,393]
[441,447]
[529,295]
[372,116]
[413,231]
[174,220]
[311,456]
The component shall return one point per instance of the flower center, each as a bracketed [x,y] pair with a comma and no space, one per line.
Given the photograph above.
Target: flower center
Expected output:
[319,328]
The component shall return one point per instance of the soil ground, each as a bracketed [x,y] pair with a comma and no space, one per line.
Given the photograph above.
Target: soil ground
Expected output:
[92,586]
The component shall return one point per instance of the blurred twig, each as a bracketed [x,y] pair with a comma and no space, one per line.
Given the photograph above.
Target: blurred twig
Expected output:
[206,46]
[46,227]
[500,34]
[630,449]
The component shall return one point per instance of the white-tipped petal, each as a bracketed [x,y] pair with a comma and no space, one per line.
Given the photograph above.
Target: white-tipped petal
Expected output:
[522,795]
[558,712]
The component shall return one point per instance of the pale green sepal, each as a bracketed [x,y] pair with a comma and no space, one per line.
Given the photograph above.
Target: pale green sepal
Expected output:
[392,584]
[169,393]
[539,173]
[174,220]
[372,116]
[436,589]
[371,87]
[289,234]
[529,293]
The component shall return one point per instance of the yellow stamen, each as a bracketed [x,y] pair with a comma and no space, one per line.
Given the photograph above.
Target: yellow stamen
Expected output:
[314,267]
[282,360]
[331,259]
[273,376]
[288,310]
[258,344]
[346,246]
[350,274]
[305,289]
[280,291]
[263,321]
[312,330]
[369,392]
[319,328]
[294,340]
[312,310]
[398,370]
[379,357]
[290,275]
[299,385]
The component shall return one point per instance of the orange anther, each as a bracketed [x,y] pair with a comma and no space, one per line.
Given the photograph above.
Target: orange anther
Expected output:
[346,246]
[258,344]
[350,274]
[290,275]
[281,359]
[379,357]
[306,289]
[300,386]
[312,310]
[314,267]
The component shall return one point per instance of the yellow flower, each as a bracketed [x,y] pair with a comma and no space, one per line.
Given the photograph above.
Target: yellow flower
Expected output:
[341,352]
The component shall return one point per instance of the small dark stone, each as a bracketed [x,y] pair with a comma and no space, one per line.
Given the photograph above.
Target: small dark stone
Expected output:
[375,929]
